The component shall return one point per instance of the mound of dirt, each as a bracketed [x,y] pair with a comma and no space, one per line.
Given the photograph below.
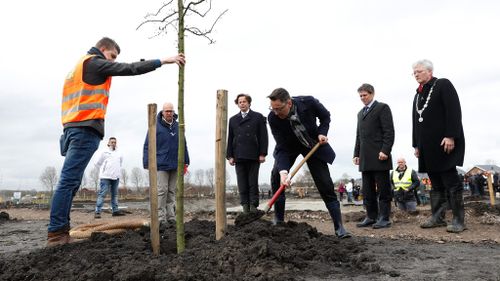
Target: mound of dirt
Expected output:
[257,251]
[478,208]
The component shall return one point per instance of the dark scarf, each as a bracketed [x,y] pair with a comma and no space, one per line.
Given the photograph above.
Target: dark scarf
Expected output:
[298,129]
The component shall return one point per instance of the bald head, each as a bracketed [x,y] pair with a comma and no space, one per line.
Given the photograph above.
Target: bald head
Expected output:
[401,163]
[168,112]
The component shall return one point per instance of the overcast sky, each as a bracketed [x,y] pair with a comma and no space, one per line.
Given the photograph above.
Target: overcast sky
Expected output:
[322,48]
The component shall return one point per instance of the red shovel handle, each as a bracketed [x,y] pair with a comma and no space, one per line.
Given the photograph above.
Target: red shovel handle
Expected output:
[275,197]
[282,187]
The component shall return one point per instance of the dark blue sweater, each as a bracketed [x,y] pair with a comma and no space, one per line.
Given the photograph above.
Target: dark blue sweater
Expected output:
[167,145]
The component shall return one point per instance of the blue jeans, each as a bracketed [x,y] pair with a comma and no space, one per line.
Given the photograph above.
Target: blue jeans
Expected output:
[349,196]
[79,145]
[112,185]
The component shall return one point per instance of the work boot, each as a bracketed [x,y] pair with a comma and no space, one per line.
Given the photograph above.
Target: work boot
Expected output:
[336,215]
[381,223]
[246,208]
[438,209]
[59,237]
[278,223]
[366,222]
[279,210]
[253,209]
[457,207]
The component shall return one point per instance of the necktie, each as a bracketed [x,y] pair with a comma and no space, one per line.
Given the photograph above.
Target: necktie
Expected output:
[243,114]
[365,110]
[420,88]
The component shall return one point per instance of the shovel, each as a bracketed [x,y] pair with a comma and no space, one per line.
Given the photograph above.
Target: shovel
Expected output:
[243,220]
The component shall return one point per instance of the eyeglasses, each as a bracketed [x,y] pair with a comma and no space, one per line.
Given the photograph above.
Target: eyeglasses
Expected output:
[279,109]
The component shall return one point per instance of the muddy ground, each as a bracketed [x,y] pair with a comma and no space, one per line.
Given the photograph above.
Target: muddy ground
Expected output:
[303,249]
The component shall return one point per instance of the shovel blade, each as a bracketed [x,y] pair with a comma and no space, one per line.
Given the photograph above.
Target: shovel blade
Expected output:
[244,219]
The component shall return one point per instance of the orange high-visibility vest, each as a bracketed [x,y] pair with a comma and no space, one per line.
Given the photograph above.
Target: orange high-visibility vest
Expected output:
[82,101]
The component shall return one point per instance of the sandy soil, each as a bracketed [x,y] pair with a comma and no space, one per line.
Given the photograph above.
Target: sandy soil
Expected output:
[304,249]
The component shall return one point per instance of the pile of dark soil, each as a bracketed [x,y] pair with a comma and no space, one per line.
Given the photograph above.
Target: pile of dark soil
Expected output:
[479,208]
[257,251]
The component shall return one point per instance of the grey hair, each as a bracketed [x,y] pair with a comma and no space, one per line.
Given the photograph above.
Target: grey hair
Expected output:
[425,63]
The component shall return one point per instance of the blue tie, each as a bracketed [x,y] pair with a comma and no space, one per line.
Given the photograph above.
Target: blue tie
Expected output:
[365,110]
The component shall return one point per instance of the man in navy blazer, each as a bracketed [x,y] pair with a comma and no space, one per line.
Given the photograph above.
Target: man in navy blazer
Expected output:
[247,143]
[372,152]
[293,125]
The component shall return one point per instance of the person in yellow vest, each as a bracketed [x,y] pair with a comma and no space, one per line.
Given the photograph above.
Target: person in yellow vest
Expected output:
[84,102]
[404,181]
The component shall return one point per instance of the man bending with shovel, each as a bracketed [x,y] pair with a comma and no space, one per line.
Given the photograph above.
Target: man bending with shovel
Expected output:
[293,125]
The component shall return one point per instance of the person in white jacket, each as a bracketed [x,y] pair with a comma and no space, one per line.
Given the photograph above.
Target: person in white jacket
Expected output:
[348,188]
[109,164]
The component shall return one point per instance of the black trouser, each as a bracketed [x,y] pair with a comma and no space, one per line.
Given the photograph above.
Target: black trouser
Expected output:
[447,183]
[377,194]
[415,192]
[247,176]
[322,179]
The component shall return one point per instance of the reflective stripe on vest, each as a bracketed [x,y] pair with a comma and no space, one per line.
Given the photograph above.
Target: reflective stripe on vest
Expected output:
[82,101]
[404,182]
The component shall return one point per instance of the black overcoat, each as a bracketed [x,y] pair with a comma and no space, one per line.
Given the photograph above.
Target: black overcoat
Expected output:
[247,137]
[441,118]
[374,134]
[288,147]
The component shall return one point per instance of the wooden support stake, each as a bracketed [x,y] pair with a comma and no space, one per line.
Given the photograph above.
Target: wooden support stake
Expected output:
[490,189]
[153,185]
[220,164]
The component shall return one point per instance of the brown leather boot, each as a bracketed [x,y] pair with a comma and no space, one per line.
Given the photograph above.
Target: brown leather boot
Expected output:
[59,237]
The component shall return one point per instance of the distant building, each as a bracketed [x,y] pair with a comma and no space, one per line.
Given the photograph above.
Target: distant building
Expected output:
[479,169]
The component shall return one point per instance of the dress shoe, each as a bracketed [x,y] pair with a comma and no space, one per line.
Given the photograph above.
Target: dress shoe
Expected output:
[366,222]
[382,224]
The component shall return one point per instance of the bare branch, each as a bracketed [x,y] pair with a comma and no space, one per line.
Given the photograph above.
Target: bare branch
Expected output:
[163,29]
[159,10]
[188,8]
[172,17]
[198,32]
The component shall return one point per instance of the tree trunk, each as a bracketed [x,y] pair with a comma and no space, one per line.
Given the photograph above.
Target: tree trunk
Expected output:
[180,158]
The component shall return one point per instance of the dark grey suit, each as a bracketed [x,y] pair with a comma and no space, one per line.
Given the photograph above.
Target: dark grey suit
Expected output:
[374,134]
